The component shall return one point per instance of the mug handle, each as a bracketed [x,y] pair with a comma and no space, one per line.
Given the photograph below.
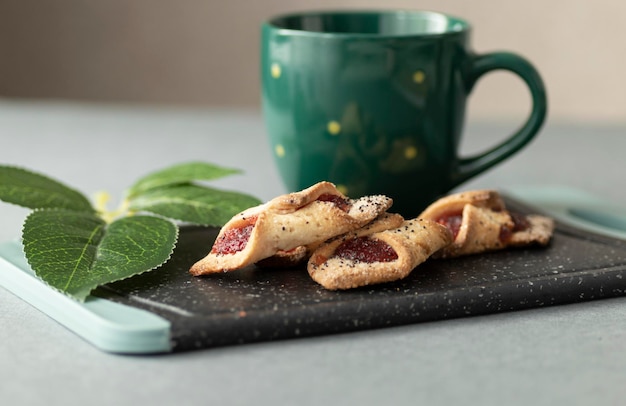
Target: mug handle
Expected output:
[482,64]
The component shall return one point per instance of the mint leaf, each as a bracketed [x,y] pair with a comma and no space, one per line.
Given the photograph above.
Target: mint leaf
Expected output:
[61,246]
[35,191]
[75,252]
[193,203]
[74,247]
[178,174]
[133,245]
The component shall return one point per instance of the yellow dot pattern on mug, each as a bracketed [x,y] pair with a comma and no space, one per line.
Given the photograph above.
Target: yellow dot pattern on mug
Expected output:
[410,152]
[276,70]
[279,150]
[419,77]
[333,127]
[342,189]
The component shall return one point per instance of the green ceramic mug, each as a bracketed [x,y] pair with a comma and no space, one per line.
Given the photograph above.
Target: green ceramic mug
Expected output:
[374,101]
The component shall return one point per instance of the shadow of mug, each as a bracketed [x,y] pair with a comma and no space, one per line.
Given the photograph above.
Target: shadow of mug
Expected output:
[374,101]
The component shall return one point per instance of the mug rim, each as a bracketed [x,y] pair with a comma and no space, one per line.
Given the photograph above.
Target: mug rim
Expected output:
[458,26]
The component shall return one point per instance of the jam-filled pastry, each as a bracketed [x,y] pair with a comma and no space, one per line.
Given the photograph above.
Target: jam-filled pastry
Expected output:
[301,254]
[376,254]
[287,222]
[480,222]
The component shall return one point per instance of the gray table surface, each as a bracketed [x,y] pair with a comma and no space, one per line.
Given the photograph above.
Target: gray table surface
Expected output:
[571,354]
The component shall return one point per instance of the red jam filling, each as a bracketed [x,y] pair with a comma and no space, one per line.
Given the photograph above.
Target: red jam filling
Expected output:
[452,222]
[520,223]
[367,250]
[340,202]
[235,239]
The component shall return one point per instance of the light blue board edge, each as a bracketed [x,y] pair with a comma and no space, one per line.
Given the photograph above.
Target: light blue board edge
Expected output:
[109,326]
[575,207]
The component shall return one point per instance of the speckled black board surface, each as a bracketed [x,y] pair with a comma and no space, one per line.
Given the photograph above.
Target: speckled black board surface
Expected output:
[255,304]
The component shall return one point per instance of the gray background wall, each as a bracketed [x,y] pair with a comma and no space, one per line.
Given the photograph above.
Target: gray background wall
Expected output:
[195,52]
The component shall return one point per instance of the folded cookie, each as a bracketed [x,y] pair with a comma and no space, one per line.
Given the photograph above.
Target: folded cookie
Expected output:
[376,254]
[286,223]
[480,222]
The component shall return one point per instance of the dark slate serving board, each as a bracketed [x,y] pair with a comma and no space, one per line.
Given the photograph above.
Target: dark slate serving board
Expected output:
[255,304]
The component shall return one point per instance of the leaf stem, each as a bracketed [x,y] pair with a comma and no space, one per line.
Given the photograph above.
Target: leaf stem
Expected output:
[102,198]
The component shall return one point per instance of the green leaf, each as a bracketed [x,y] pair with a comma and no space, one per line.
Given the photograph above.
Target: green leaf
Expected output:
[61,247]
[179,174]
[193,203]
[71,246]
[35,191]
[75,252]
[133,245]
